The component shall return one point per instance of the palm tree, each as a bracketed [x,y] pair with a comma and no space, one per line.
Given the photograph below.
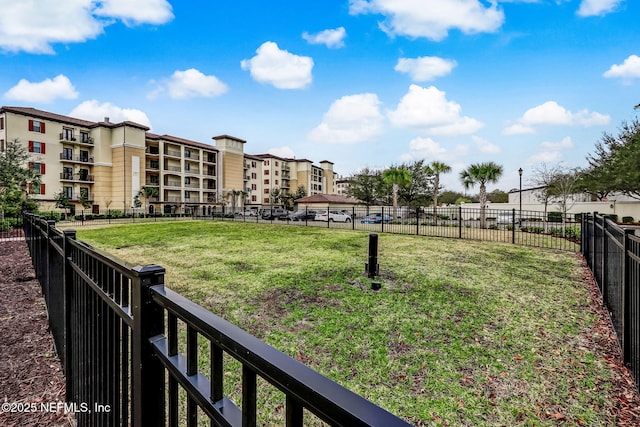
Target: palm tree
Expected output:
[436,168]
[481,173]
[396,176]
[148,193]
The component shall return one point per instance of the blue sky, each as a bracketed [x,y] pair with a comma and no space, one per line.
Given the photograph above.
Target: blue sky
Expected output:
[358,82]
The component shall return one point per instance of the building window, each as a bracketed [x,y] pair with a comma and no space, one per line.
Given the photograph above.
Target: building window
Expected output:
[187,166]
[277,173]
[266,162]
[266,191]
[2,147]
[1,123]
[254,175]
[67,134]
[266,182]
[37,167]
[36,188]
[265,200]
[68,192]
[254,187]
[254,198]
[187,154]
[36,147]
[187,180]
[84,137]
[277,182]
[277,164]
[253,164]
[36,126]
[187,195]
[266,171]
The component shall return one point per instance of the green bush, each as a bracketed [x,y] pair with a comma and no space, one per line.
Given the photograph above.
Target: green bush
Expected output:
[493,227]
[612,217]
[570,232]
[56,216]
[577,217]
[627,219]
[535,230]
[554,216]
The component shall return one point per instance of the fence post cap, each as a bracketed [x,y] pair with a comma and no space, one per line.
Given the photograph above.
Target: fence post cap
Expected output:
[149,269]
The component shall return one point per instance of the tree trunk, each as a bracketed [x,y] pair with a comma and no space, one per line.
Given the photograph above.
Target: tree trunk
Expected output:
[483,206]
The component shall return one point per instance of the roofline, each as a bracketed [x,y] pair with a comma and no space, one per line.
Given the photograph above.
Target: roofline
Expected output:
[228,137]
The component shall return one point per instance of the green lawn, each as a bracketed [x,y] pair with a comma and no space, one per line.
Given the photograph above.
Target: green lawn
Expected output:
[461,333]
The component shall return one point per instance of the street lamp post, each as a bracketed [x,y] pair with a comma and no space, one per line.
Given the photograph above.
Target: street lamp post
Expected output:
[520,192]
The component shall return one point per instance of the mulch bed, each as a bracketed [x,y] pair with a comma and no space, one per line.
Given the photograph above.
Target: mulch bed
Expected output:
[30,371]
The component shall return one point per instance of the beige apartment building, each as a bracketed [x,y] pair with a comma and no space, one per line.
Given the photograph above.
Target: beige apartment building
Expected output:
[105,165]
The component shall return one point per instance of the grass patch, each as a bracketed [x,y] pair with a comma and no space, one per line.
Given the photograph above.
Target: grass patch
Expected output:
[461,333]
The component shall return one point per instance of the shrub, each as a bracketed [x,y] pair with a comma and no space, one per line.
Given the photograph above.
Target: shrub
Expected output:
[535,230]
[612,217]
[554,216]
[570,232]
[577,217]
[493,227]
[627,219]
[55,216]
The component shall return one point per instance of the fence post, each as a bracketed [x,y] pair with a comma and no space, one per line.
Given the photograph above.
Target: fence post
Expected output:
[605,255]
[459,222]
[593,243]
[382,222]
[328,216]
[627,321]
[67,289]
[147,382]
[513,226]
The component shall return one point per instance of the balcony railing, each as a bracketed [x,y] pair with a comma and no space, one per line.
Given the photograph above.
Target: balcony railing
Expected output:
[152,183]
[209,158]
[154,167]
[76,177]
[174,153]
[173,168]
[80,196]
[192,171]
[173,199]
[172,183]
[191,156]
[80,159]
[192,186]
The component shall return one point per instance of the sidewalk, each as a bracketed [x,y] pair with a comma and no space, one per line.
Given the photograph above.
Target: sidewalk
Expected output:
[31,377]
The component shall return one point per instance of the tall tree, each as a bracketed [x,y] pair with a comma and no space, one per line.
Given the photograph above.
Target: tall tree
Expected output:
[148,193]
[396,177]
[436,168]
[614,165]
[366,186]
[14,175]
[544,177]
[417,192]
[481,174]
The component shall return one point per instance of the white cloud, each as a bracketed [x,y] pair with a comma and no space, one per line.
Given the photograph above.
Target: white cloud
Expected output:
[350,119]
[425,68]
[427,148]
[138,12]
[431,19]
[45,91]
[33,26]
[551,152]
[629,69]
[485,146]
[553,114]
[597,7]
[279,68]
[564,144]
[96,111]
[284,151]
[190,83]
[330,38]
[429,110]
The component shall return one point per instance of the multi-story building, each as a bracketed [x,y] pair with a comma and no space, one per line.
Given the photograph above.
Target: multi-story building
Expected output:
[105,165]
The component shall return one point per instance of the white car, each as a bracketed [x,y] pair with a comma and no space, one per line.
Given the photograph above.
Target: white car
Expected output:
[332,216]
[507,218]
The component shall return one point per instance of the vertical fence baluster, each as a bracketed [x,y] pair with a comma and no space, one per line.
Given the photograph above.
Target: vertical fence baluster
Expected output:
[294,417]
[249,396]
[192,369]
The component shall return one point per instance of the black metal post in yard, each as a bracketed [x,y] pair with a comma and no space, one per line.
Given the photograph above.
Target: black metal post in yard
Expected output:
[628,305]
[520,192]
[513,226]
[67,281]
[372,264]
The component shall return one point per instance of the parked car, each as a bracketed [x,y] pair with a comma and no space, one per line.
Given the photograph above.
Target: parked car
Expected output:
[376,218]
[507,218]
[333,216]
[248,212]
[302,215]
[275,213]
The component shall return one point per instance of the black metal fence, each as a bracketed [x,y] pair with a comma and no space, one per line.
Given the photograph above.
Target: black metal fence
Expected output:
[11,226]
[553,230]
[116,329]
[613,255]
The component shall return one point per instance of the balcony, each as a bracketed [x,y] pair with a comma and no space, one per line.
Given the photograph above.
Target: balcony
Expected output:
[173,168]
[196,186]
[195,171]
[76,159]
[78,197]
[67,137]
[210,172]
[76,177]
[152,183]
[173,153]
[209,158]
[152,166]
[191,155]
[153,151]
[173,183]
[173,199]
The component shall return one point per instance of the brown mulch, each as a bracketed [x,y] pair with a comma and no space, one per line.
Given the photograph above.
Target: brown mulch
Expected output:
[30,371]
